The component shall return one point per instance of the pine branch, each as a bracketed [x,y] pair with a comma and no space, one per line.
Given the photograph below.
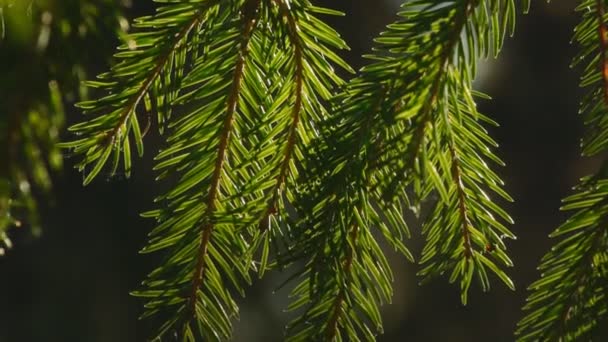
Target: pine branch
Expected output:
[198,242]
[246,173]
[248,80]
[462,227]
[293,28]
[249,20]
[463,235]
[382,117]
[306,80]
[149,70]
[568,302]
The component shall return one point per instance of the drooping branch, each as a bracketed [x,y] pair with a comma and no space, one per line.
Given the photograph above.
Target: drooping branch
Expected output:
[249,18]
[371,147]
[568,301]
[293,33]
[143,89]
[150,64]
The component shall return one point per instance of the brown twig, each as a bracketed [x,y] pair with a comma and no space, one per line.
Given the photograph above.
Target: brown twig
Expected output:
[249,19]
[295,115]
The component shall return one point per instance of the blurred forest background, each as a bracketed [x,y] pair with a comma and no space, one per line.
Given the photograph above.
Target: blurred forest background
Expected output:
[73,282]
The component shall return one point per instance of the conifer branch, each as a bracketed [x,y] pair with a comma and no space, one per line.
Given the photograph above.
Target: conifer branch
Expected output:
[568,302]
[240,101]
[380,118]
[146,78]
[198,227]
[249,15]
[251,82]
[583,276]
[455,154]
[293,29]
[469,7]
[143,89]
[305,81]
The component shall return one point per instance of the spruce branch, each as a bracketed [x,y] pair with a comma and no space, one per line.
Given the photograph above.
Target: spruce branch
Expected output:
[295,40]
[408,120]
[250,104]
[148,70]
[463,223]
[252,85]
[249,19]
[198,242]
[568,302]
[306,79]
[248,81]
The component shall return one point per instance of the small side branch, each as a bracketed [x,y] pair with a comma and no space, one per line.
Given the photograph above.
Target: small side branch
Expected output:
[161,62]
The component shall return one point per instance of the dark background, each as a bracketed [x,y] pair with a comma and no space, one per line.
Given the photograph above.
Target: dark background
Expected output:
[72,284]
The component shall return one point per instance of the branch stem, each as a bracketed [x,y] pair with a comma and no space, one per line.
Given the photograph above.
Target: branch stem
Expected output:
[603,40]
[145,86]
[295,114]
[249,18]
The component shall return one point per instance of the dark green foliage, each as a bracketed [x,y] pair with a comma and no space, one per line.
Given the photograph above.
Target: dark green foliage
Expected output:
[41,50]
[568,302]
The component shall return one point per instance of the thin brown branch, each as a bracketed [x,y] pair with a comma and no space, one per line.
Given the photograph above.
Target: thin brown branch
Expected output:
[295,114]
[249,19]
[456,167]
[601,10]
[161,62]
